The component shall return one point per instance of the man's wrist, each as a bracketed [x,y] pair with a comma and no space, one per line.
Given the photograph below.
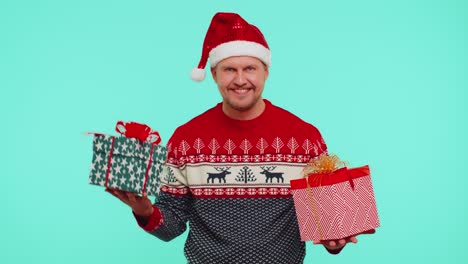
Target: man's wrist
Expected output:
[146,214]
[151,222]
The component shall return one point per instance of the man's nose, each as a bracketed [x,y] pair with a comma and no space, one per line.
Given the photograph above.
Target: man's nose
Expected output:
[240,79]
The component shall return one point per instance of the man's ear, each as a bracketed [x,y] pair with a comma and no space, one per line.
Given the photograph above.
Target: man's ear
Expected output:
[267,72]
[213,73]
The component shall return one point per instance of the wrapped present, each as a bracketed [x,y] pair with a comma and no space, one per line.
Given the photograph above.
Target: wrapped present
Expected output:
[132,162]
[333,203]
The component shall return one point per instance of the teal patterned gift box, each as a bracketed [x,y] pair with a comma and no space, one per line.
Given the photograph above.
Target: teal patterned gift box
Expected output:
[127,164]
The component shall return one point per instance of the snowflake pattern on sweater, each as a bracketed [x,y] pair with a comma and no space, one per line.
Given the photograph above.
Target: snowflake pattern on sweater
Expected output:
[229,179]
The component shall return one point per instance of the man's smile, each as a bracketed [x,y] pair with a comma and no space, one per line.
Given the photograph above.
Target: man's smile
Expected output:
[240,91]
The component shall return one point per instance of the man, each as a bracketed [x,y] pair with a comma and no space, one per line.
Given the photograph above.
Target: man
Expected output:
[229,168]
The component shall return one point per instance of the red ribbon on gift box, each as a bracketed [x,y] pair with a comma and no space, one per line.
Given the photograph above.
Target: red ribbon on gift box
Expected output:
[323,179]
[141,132]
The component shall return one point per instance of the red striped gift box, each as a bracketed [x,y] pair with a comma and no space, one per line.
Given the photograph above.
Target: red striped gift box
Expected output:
[335,205]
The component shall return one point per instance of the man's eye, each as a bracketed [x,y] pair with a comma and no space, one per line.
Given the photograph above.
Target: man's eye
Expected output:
[229,69]
[250,68]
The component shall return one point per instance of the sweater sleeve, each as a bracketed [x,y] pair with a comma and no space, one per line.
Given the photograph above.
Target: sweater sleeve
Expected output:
[170,214]
[173,213]
[173,206]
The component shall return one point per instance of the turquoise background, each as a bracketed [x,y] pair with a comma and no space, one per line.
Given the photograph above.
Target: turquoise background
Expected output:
[384,81]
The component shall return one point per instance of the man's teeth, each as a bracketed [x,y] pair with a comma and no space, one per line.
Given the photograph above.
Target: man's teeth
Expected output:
[241,90]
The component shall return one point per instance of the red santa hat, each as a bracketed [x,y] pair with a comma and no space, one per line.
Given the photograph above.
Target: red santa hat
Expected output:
[230,35]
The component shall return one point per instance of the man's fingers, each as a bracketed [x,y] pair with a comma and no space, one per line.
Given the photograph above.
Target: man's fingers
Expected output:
[338,243]
[110,191]
[136,202]
[131,197]
[113,192]
[118,194]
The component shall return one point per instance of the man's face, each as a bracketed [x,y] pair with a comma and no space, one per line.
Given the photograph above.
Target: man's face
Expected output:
[240,81]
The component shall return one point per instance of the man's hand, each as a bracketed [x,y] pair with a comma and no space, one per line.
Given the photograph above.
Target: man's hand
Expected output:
[141,205]
[337,244]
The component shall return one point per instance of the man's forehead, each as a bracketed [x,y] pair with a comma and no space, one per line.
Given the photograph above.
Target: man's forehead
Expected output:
[240,61]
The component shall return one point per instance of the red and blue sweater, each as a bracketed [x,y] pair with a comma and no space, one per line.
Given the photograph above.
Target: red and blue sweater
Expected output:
[229,180]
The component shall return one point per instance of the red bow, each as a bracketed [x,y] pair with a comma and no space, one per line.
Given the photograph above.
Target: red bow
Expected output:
[139,131]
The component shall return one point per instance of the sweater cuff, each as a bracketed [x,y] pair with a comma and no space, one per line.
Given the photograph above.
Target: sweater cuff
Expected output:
[154,221]
[334,251]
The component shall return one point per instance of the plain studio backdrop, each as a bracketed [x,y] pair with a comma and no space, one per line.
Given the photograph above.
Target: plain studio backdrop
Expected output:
[384,81]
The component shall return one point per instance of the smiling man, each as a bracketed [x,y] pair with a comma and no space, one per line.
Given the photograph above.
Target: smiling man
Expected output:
[228,169]
[240,81]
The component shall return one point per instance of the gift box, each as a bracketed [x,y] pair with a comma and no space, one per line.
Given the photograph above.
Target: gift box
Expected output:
[335,205]
[132,162]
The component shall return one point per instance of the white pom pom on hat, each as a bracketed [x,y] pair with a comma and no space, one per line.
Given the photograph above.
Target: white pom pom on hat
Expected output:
[197,74]
[230,35]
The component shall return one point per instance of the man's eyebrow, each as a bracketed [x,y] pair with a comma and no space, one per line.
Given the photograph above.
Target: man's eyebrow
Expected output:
[247,66]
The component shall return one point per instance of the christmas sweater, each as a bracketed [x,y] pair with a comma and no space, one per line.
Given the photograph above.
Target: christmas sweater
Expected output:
[229,180]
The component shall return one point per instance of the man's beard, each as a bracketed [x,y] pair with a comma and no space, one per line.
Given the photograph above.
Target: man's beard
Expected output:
[242,108]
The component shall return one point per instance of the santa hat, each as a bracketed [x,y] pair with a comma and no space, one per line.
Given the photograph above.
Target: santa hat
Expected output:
[230,35]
